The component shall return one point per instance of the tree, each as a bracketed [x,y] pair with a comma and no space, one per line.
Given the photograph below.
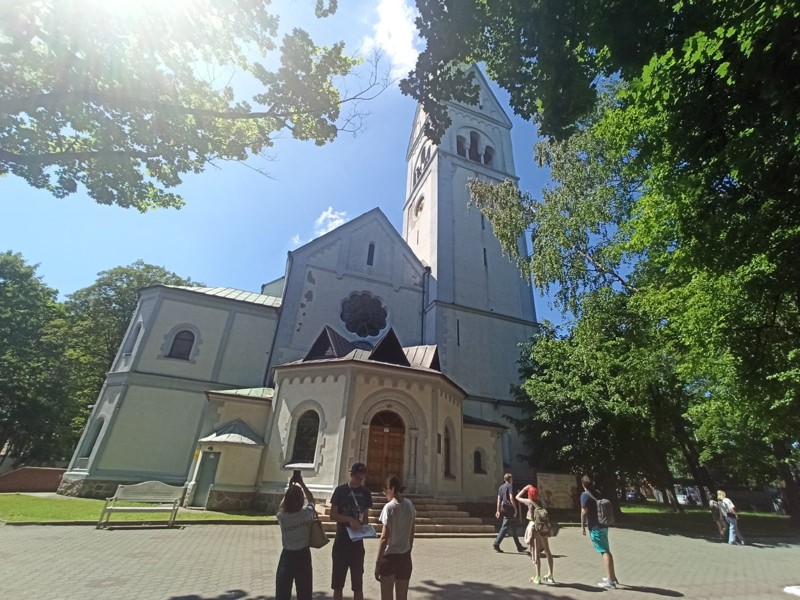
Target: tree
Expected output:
[97,318]
[36,409]
[125,99]
[707,127]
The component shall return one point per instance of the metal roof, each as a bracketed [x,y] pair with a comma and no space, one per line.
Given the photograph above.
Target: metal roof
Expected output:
[232,294]
[235,432]
[260,392]
[481,422]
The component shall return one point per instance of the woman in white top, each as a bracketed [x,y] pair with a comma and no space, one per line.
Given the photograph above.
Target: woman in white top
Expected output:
[393,564]
[538,541]
[729,510]
[295,516]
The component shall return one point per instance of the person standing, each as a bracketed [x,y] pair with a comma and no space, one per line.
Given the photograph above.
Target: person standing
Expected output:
[350,504]
[728,509]
[294,566]
[597,533]
[537,533]
[507,508]
[393,564]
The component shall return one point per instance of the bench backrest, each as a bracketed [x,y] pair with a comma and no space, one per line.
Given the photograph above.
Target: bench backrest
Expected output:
[150,491]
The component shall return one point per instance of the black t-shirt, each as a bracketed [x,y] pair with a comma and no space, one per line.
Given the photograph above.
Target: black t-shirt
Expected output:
[350,504]
[506,492]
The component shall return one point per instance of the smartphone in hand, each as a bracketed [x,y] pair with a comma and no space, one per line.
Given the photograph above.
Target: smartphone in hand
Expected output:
[296,476]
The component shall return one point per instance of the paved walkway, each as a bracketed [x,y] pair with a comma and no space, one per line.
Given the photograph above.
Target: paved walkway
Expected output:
[213,562]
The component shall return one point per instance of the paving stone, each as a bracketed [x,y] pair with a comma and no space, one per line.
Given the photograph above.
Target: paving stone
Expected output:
[232,562]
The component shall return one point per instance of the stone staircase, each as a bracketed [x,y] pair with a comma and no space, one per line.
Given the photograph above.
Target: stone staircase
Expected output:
[435,518]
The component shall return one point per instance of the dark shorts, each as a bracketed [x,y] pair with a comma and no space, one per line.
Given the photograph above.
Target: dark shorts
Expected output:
[347,556]
[398,565]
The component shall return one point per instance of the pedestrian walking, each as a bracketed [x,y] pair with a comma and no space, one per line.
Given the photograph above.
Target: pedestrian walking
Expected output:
[598,532]
[537,534]
[507,509]
[718,518]
[295,515]
[727,508]
[393,564]
[350,504]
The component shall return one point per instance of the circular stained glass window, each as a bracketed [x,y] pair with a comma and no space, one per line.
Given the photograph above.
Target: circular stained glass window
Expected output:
[364,315]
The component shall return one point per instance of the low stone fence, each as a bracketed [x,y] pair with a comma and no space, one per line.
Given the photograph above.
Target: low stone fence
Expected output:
[31,479]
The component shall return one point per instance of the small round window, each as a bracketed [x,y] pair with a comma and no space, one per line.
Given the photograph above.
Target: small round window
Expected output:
[364,315]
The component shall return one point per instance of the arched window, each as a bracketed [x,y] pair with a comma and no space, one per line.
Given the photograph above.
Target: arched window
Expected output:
[305,438]
[461,146]
[477,462]
[182,345]
[371,254]
[448,454]
[474,142]
[488,155]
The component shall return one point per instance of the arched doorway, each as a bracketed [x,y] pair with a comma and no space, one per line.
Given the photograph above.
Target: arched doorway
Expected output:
[385,452]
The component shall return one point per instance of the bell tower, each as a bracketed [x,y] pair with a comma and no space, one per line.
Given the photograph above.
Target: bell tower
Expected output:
[478,307]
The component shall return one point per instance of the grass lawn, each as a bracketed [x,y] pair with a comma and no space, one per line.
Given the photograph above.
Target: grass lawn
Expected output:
[22,508]
[697,522]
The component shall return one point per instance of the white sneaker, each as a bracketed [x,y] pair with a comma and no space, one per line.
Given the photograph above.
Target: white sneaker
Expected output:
[607,584]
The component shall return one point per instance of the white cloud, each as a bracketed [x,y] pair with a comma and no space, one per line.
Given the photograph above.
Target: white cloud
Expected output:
[395,35]
[327,221]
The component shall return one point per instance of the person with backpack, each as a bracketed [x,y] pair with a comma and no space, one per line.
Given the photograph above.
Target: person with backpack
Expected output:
[537,534]
[597,515]
[507,508]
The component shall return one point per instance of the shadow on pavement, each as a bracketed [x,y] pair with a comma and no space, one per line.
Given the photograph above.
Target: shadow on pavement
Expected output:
[651,590]
[488,591]
[229,595]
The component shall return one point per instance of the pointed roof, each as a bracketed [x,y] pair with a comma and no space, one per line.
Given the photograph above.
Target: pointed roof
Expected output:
[235,432]
[389,350]
[331,345]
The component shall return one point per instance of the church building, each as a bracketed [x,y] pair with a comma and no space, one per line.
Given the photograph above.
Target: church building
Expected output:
[398,350]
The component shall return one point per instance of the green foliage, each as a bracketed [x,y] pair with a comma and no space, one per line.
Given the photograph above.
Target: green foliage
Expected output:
[36,409]
[125,100]
[675,187]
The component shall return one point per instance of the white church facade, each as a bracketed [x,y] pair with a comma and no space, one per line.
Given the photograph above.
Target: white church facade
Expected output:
[397,350]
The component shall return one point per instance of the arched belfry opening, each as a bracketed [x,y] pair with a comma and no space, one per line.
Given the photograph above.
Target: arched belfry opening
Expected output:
[387,434]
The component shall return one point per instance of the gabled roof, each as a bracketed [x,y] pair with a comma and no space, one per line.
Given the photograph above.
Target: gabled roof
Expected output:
[235,432]
[331,345]
[390,351]
[230,294]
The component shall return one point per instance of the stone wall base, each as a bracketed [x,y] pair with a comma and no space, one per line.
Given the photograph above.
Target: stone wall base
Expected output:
[88,488]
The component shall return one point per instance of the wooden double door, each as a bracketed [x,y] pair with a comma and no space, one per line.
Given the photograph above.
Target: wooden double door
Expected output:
[387,435]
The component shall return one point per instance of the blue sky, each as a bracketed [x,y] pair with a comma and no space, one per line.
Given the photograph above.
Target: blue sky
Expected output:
[238,225]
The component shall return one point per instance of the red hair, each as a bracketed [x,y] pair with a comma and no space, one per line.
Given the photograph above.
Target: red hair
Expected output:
[533,493]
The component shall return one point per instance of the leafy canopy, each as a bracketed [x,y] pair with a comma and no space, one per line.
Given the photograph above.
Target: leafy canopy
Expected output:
[125,98]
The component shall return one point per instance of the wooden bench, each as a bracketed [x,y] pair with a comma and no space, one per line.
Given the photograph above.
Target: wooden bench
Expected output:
[161,497]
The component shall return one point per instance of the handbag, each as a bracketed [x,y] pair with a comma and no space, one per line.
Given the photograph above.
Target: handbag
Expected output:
[316,534]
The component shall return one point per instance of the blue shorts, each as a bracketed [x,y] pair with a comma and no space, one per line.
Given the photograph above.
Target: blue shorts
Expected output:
[599,538]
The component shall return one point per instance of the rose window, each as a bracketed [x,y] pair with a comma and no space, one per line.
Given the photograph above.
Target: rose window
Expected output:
[364,315]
